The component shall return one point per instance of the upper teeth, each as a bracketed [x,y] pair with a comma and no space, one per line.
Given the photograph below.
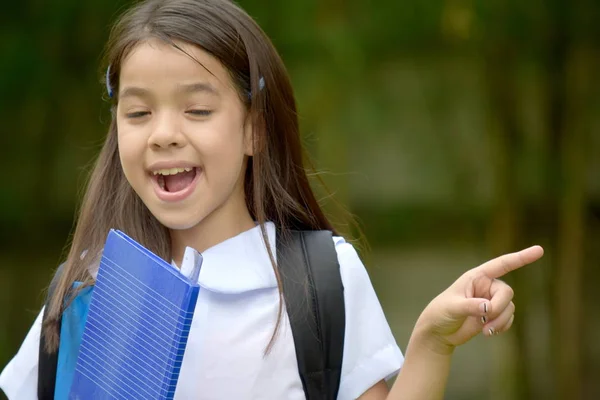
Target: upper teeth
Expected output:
[171,171]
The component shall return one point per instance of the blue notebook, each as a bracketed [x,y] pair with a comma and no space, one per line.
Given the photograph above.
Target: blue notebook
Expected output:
[138,324]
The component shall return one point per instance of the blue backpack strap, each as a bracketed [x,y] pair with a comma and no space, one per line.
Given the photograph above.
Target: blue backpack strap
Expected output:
[47,361]
[314,299]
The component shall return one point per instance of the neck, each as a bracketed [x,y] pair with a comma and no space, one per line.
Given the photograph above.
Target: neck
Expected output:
[212,230]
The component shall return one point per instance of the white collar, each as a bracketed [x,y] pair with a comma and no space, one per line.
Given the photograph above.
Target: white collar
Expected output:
[240,264]
[236,265]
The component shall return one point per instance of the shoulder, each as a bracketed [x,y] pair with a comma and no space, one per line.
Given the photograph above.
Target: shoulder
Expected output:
[370,350]
[352,270]
[348,257]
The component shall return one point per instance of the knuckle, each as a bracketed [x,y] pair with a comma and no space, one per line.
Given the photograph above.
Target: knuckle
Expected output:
[511,291]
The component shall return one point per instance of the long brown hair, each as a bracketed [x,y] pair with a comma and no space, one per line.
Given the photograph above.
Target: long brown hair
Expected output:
[277,188]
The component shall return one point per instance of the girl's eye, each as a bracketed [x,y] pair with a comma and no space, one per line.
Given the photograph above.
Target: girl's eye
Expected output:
[200,113]
[137,114]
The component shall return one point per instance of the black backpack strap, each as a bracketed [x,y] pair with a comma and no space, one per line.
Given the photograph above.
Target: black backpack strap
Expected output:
[314,299]
[47,362]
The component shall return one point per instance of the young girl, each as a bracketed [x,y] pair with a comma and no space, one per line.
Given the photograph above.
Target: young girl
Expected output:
[204,151]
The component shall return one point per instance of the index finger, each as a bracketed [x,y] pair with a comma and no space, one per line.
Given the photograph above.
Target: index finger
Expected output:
[509,262]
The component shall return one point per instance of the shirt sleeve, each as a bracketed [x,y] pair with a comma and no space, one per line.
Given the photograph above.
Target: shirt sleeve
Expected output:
[370,350]
[19,378]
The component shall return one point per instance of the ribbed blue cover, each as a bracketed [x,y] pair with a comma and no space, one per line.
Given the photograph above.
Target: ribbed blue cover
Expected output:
[137,326]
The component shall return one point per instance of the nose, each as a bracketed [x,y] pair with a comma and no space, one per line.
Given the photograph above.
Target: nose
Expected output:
[166,132]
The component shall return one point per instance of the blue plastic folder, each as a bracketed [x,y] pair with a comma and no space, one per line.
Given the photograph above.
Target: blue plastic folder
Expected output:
[137,326]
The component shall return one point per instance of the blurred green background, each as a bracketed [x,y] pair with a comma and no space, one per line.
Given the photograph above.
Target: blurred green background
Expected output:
[455,130]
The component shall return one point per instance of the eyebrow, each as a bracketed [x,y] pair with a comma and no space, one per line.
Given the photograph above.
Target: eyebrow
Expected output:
[190,88]
[198,87]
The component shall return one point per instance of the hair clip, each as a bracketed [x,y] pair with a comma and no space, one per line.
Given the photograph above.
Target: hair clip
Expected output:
[108,87]
[261,86]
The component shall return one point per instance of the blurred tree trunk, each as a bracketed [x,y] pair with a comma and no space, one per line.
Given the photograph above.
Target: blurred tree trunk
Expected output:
[567,286]
[514,380]
[565,185]
[588,83]
[512,368]
[569,269]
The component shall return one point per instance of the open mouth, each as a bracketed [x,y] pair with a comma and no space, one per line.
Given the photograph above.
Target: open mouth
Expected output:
[174,180]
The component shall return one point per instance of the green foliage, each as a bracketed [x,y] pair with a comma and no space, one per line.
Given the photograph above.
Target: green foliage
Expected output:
[433,120]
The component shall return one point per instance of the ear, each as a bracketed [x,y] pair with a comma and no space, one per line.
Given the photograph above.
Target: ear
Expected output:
[249,144]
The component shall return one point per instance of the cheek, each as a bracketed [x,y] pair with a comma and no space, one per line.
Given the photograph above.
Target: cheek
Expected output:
[222,144]
[130,150]
[223,163]
[222,160]
[129,139]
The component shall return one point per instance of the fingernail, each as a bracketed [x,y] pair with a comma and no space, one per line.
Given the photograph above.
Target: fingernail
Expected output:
[491,331]
[483,319]
[483,307]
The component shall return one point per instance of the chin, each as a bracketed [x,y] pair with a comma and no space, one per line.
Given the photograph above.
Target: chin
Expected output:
[177,221]
[177,224]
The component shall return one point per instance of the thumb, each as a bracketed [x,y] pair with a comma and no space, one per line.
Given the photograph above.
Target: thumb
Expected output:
[468,307]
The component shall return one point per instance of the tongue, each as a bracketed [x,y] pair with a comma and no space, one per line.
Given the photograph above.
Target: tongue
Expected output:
[177,182]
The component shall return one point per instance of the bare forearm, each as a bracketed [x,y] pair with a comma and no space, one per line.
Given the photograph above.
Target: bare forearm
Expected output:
[424,374]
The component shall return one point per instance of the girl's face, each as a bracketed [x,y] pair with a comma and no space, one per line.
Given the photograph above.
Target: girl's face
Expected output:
[183,135]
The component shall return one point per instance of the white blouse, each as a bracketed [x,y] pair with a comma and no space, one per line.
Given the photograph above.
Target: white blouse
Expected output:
[233,322]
